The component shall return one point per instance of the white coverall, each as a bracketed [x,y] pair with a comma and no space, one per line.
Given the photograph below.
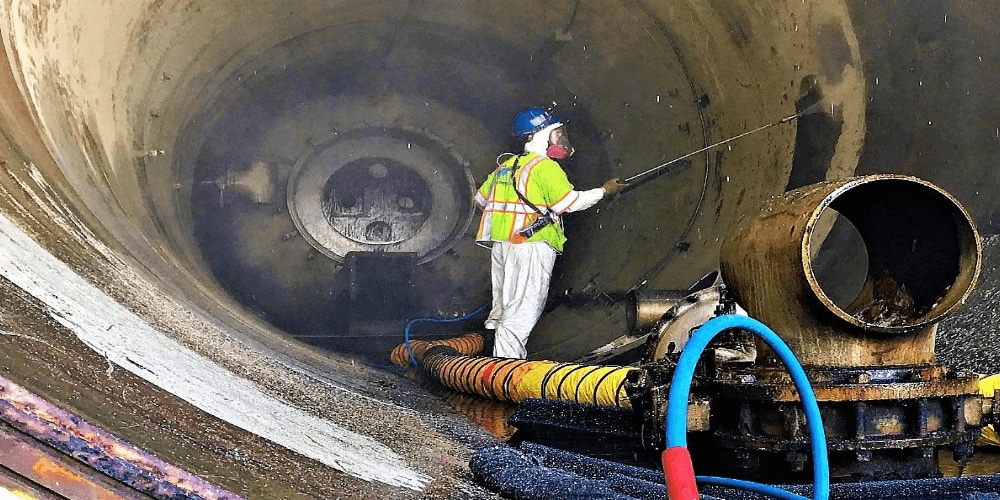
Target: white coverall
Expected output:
[521,274]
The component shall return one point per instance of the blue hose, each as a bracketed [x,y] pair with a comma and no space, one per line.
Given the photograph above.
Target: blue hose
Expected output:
[409,350]
[680,386]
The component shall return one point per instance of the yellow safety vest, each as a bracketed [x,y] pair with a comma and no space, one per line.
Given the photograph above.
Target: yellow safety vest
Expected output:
[542,181]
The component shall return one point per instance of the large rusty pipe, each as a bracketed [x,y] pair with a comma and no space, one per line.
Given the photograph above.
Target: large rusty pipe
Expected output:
[923,257]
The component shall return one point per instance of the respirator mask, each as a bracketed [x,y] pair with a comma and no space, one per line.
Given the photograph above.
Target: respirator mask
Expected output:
[559,147]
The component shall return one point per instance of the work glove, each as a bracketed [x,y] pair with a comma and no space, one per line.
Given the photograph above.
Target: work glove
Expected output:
[613,186]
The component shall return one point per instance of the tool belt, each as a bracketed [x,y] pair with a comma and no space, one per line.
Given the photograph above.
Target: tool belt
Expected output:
[537,225]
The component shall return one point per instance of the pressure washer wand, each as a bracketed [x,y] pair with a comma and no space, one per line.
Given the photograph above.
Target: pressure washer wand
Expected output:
[809,110]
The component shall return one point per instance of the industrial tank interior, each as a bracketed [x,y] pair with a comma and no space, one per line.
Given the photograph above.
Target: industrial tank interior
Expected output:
[217,218]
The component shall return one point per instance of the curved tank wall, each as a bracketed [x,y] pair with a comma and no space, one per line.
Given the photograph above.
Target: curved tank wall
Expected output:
[208,141]
[185,163]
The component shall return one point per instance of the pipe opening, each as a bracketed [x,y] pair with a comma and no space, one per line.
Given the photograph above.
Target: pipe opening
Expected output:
[899,253]
[840,261]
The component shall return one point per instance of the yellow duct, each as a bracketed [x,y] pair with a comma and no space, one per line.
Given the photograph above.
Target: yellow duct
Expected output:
[988,387]
[504,379]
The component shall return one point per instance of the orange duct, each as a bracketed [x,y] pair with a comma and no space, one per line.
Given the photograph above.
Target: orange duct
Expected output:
[469,344]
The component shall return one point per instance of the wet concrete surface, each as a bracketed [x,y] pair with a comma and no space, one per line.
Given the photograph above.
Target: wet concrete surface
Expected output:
[966,340]
[93,94]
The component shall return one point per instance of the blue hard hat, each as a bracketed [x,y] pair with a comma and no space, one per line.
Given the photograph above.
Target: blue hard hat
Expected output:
[531,120]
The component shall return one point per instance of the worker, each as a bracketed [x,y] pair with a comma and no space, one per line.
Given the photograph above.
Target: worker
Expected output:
[522,202]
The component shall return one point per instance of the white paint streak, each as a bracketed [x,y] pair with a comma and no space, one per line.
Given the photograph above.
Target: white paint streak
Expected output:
[6,494]
[128,341]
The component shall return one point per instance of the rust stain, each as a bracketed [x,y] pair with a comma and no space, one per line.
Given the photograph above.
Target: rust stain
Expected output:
[50,472]
[38,464]
[49,469]
[36,22]
[870,392]
[96,448]
[889,425]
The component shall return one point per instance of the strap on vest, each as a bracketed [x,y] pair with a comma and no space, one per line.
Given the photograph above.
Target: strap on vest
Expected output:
[544,217]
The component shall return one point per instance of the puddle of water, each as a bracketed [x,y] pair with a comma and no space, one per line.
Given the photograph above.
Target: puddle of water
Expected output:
[490,415]
[986,460]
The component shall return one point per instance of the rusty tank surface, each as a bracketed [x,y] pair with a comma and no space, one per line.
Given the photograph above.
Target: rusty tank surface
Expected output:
[217,218]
